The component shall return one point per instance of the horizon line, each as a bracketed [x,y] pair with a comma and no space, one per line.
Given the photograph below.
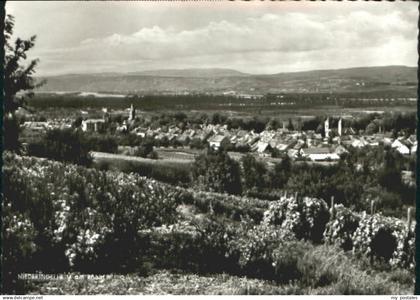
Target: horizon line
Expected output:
[215,68]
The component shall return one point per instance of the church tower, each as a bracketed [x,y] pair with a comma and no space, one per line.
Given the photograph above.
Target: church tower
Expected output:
[132,113]
[340,127]
[327,127]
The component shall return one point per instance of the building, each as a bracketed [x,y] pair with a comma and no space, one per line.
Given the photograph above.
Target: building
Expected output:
[93,125]
[36,126]
[359,143]
[414,148]
[401,146]
[340,128]
[132,113]
[412,139]
[319,154]
[292,153]
[218,141]
[327,127]
[349,131]
[263,148]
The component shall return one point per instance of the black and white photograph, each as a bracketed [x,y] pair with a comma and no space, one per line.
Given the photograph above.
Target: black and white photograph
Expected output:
[209,148]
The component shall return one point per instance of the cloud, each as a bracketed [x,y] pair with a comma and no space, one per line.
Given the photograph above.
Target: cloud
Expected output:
[283,40]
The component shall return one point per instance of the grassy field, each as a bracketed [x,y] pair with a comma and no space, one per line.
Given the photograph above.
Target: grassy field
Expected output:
[168,169]
[161,283]
[166,282]
[291,106]
[167,160]
[266,112]
[177,154]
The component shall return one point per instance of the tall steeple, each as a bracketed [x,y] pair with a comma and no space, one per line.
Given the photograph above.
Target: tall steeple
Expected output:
[340,128]
[132,113]
[327,127]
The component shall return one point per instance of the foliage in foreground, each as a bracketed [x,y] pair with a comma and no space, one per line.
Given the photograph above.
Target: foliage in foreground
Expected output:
[104,222]
[81,217]
[174,283]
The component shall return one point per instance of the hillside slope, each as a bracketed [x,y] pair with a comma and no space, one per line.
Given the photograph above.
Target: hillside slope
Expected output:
[223,80]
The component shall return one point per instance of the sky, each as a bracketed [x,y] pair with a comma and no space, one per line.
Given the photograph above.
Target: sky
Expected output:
[254,37]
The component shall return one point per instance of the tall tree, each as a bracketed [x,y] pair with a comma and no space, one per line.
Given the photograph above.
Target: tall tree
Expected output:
[253,173]
[281,172]
[18,80]
[215,171]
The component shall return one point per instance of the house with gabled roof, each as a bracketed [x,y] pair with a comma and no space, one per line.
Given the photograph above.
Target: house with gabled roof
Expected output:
[412,139]
[402,146]
[359,143]
[413,149]
[319,154]
[218,141]
[263,148]
[93,124]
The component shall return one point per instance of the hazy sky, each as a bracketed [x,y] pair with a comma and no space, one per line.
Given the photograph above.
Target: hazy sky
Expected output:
[255,37]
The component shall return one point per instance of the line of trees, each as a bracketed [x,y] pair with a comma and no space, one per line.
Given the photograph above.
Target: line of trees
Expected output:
[360,176]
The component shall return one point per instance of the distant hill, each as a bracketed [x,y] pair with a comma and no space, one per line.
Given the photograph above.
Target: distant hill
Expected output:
[212,72]
[226,80]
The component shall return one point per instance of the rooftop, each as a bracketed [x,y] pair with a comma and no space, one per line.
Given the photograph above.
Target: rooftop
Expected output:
[316,150]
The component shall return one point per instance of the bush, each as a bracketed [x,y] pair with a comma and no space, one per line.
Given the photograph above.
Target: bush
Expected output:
[254,245]
[18,246]
[200,248]
[319,266]
[85,213]
[286,259]
[386,239]
[305,217]
[341,228]
[331,271]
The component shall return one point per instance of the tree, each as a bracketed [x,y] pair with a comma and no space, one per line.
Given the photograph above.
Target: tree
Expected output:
[215,171]
[389,177]
[63,145]
[281,172]
[254,172]
[78,122]
[145,148]
[18,81]
[372,128]
[290,125]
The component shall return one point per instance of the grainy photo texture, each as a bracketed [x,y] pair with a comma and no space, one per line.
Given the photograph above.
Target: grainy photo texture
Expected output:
[210,148]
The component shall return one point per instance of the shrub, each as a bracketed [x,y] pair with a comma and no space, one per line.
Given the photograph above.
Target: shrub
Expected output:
[80,211]
[145,149]
[322,265]
[340,229]
[286,258]
[254,246]
[200,248]
[18,237]
[386,239]
[305,217]
[330,271]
